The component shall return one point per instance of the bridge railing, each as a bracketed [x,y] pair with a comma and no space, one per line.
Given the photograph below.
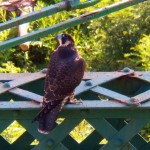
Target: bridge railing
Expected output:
[114,109]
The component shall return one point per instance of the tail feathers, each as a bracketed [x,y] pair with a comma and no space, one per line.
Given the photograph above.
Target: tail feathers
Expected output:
[47,118]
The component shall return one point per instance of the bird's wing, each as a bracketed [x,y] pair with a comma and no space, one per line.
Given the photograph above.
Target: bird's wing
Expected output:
[62,78]
[78,71]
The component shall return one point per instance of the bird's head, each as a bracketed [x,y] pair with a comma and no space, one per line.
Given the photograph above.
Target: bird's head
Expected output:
[65,39]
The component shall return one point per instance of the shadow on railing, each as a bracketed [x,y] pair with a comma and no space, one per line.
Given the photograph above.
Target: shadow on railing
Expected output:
[115,109]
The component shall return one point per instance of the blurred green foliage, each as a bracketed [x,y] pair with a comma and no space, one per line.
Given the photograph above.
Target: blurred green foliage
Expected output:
[140,56]
[108,43]
[115,39]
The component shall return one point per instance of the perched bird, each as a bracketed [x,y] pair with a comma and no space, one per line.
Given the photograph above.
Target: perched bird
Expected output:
[65,72]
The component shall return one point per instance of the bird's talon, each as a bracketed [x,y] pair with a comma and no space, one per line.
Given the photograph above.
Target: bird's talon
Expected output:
[75,101]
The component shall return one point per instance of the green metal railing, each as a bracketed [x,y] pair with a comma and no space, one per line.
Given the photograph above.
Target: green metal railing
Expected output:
[115,104]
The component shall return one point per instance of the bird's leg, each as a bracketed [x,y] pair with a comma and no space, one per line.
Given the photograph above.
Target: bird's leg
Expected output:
[73,100]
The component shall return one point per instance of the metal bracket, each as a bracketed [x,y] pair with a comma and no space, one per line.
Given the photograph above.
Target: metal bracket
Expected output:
[76,4]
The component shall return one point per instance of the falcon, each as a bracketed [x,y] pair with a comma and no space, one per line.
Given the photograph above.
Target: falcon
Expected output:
[65,72]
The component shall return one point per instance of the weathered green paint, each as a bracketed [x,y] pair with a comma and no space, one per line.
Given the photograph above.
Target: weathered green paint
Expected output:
[103,115]
[22,141]
[4,124]
[69,23]
[103,128]
[139,141]
[120,139]
[4,144]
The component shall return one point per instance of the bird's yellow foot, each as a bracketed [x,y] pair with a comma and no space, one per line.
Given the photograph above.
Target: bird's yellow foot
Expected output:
[74,101]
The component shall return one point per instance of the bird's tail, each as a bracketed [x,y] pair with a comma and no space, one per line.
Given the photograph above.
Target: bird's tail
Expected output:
[47,117]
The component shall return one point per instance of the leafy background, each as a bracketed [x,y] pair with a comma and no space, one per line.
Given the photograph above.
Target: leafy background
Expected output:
[120,39]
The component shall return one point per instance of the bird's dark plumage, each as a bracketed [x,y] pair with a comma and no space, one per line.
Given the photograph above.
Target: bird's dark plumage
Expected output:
[65,71]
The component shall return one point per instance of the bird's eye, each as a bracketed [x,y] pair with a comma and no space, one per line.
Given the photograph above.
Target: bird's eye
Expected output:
[64,36]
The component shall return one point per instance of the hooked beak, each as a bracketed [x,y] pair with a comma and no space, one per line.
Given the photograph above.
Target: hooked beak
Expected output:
[59,38]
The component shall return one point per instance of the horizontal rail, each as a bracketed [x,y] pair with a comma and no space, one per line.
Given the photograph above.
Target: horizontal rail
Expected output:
[69,23]
[87,75]
[50,10]
[86,104]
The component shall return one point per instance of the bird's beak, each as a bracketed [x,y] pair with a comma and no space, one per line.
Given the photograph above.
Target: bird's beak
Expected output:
[59,38]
